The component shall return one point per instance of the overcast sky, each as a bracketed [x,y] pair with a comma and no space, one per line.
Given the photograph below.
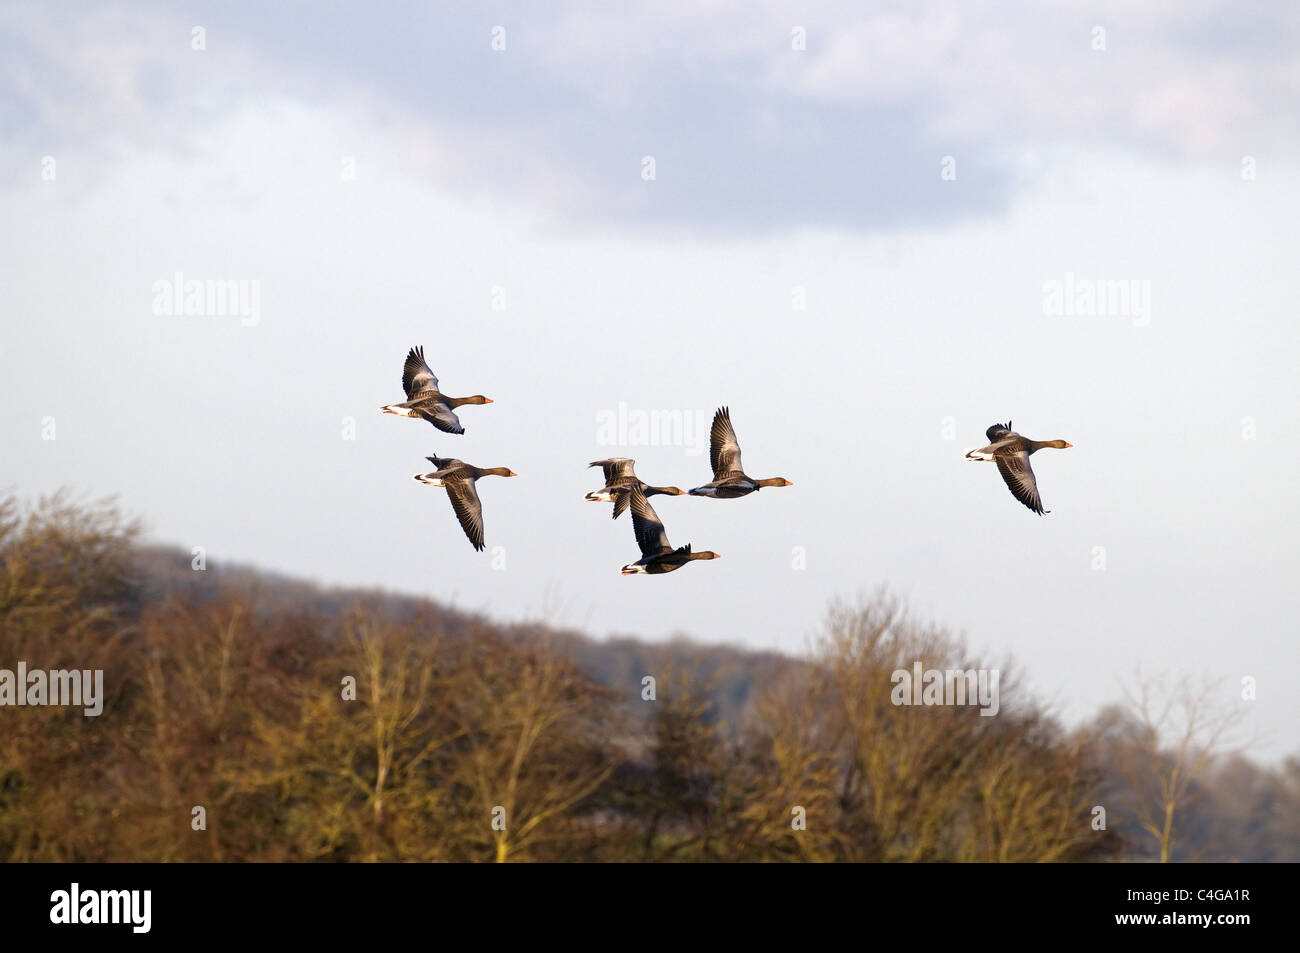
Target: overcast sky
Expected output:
[858,245]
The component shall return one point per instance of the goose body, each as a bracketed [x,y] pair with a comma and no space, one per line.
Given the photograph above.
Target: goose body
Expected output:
[424,400]
[619,480]
[459,479]
[1011,451]
[729,479]
[657,554]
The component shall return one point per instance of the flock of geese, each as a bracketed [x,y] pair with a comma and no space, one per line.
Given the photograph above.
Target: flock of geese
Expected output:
[625,490]
[1008,449]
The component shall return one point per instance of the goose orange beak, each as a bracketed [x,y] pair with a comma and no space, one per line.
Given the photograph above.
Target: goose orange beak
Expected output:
[487,400]
[1069,445]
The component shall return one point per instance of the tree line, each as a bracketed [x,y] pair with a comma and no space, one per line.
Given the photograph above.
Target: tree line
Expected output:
[251,718]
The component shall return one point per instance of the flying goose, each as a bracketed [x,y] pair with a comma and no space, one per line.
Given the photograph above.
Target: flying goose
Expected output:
[729,480]
[1010,452]
[657,554]
[459,478]
[423,398]
[619,478]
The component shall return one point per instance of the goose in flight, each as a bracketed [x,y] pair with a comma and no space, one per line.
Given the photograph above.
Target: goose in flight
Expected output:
[657,554]
[459,479]
[1010,452]
[423,398]
[729,480]
[619,479]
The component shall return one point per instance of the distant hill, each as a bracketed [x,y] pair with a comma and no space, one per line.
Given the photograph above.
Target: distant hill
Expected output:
[621,662]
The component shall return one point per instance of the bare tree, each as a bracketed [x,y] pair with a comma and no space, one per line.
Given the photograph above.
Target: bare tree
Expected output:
[943,782]
[531,749]
[1173,733]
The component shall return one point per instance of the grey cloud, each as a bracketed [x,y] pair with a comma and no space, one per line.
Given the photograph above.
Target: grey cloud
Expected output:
[561,119]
